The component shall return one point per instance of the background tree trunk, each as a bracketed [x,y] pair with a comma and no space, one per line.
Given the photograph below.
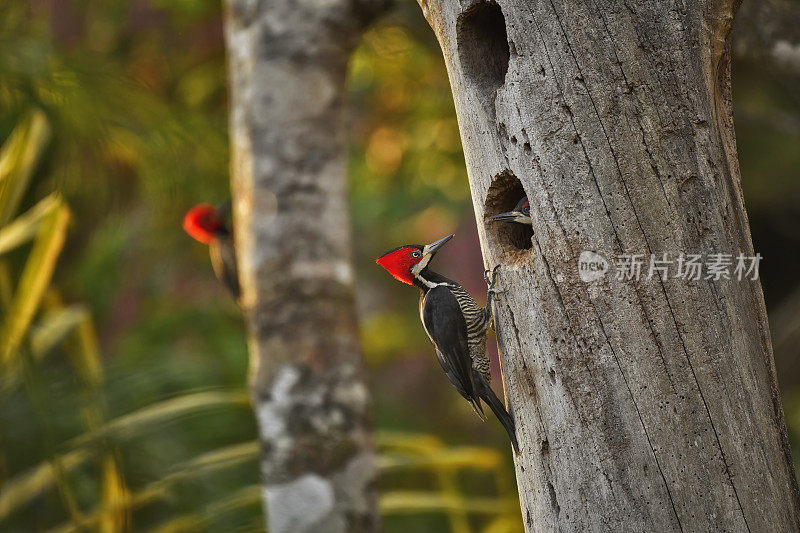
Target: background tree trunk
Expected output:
[642,405]
[287,65]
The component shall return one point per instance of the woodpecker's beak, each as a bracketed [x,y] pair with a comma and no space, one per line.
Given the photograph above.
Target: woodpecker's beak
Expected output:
[433,247]
[513,216]
[508,216]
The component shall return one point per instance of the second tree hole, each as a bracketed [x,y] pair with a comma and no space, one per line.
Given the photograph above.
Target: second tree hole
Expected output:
[483,49]
[504,193]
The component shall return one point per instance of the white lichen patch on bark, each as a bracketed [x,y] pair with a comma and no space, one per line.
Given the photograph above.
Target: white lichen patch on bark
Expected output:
[272,414]
[304,504]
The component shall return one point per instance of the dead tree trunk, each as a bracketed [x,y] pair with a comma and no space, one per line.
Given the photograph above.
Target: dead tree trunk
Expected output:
[642,405]
[287,64]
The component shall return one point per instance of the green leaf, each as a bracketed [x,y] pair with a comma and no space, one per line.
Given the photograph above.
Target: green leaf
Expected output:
[213,461]
[201,465]
[115,495]
[142,498]
[408,441]
[18,158]
[412,502]
[449,458]
[245,497]
[25,226]
[33,282]
[504,524]
[23,488]
[54,328]
[147,418]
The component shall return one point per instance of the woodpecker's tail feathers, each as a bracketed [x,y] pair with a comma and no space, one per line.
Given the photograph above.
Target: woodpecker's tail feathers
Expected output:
[477,407]
[487,395]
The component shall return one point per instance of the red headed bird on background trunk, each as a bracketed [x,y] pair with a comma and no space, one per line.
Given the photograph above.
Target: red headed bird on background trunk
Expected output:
[209,225]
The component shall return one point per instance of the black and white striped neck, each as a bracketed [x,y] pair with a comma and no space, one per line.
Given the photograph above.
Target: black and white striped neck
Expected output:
[428,279]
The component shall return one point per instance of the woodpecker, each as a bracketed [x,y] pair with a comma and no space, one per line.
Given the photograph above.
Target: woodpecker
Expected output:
[455,324]
[207,224]
[521,214]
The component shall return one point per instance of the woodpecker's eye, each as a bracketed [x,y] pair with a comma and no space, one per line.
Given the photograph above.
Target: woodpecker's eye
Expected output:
[526,210]
[416,253]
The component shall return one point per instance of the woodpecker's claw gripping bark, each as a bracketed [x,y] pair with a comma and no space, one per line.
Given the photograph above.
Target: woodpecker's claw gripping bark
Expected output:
[491,282]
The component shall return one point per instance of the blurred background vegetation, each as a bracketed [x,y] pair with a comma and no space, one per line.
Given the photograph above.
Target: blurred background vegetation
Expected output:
[122,360]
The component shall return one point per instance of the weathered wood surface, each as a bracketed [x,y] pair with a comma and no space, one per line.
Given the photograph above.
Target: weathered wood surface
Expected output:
[642,405]
[287,65]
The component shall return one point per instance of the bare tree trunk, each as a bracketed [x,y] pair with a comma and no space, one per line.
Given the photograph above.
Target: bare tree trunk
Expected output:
[287,64]
[642,405]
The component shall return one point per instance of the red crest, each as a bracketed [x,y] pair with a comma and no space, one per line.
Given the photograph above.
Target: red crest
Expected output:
[398,262]
[202,223]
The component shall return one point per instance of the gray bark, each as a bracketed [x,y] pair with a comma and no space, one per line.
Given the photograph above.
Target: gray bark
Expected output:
[287,64]
[642,405]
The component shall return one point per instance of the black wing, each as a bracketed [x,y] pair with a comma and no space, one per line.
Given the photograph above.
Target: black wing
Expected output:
[223,259]
[447,329]
[497,407]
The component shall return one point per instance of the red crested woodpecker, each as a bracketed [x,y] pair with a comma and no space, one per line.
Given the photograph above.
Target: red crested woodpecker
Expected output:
[521,214]
[455,324]
[207,224]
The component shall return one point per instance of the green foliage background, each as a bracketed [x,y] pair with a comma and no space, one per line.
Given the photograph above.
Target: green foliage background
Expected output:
[134,416]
